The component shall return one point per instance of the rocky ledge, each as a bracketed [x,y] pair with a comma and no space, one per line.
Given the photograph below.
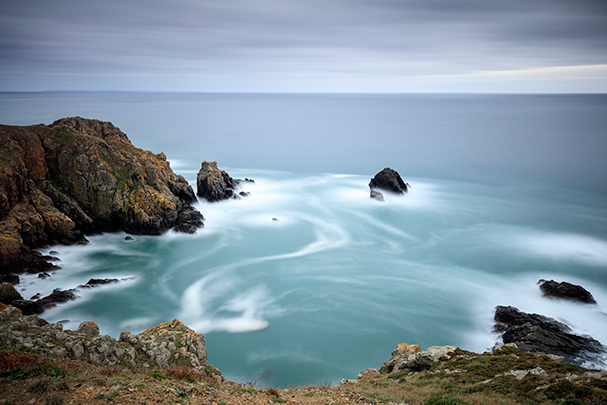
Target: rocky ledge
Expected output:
[539,333]
[164,345]
[567,291]
[79,176]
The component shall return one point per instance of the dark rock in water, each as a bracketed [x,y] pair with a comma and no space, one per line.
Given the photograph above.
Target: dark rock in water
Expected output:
[214,184]
[10,278]
[99,281]
[53,252]
[35,296]
[129,238]
[249,180]
[389,179]
[538,333]
[43,275]
[27,307]
[274,219]
[377,195]
[58,296]
[244,194]
[188,221]
[8,293]
[565,290]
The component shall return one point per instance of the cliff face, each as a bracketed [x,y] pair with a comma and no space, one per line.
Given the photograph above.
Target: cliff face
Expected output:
[80,176]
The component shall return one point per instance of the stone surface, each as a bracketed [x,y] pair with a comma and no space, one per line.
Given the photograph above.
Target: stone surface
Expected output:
[410,357]
[566,291]
[214,184]
[167,344]
[389,180]
[77,176]
[8,293]
[538,333]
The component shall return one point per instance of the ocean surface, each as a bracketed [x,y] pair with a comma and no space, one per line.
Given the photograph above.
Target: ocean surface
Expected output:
[505,190]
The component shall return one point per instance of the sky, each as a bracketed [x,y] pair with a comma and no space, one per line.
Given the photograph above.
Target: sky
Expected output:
[400,46]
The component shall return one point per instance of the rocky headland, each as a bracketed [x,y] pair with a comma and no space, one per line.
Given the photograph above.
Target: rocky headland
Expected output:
[79,176]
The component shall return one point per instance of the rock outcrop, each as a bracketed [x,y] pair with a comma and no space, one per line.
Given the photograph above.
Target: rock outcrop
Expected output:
[79,176]
[214,184]
[167,344]
[538,333]
[411,357]
[566,291]
[389,180]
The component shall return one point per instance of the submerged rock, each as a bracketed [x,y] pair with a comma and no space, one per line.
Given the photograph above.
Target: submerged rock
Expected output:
[389,180]
[538,333]
[377,195]
[565,290]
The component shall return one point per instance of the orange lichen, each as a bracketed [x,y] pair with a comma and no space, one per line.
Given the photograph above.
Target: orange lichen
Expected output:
[4,306]
[408,347]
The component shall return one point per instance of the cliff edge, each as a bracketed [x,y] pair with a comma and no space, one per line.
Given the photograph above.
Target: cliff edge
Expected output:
[80,176]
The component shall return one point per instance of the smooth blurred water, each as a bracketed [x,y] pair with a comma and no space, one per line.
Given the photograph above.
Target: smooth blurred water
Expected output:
[506,190]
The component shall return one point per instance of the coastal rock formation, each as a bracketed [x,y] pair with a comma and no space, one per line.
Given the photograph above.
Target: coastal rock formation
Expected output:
[77,176]
[377,195]
[566,291]
[410,357]
[389,180]
[214,184]
[167,344]
[538,333]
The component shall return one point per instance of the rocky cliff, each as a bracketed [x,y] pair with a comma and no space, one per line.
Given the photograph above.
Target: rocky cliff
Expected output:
[78,176]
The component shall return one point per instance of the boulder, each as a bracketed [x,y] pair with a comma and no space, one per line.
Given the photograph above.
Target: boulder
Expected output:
[389,180]
[214,184]
[566,291]
[538,333]
[8,293]
[188,220]
[88,328]
[410,357]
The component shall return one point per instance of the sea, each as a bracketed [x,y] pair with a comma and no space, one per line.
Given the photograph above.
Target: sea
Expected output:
[308,280]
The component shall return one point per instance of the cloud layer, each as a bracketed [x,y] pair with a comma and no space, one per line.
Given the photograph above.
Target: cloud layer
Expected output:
[304,45]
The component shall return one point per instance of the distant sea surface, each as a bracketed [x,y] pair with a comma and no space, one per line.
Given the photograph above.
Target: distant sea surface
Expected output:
[505,190]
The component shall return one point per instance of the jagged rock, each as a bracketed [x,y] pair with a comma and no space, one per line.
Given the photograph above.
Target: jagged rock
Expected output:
[10,278]
[565,290]
[377,195]
[8,293]
[188,221]
[538,333]
[214,184]
[410,357]
[43,275]
[389,179]
[27,307]
[79,176]
[58,296]
[129,238]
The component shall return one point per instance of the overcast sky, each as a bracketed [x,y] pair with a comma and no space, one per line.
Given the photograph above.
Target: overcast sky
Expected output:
[304,45]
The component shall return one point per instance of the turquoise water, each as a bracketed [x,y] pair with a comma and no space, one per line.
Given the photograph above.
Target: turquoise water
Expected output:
[506,190]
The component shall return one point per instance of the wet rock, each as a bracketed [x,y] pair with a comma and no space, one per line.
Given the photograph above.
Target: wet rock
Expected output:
[43,275]
[129,238]
[58,296]
[389,180]
[93,282]
[27,307]
[377,195]
[10,278]
[538,333]
[214,184]
[566,291]
[188,221]
[8,293]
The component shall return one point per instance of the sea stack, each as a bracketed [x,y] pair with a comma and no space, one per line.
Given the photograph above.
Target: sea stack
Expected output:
[213,184]
[388,180]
